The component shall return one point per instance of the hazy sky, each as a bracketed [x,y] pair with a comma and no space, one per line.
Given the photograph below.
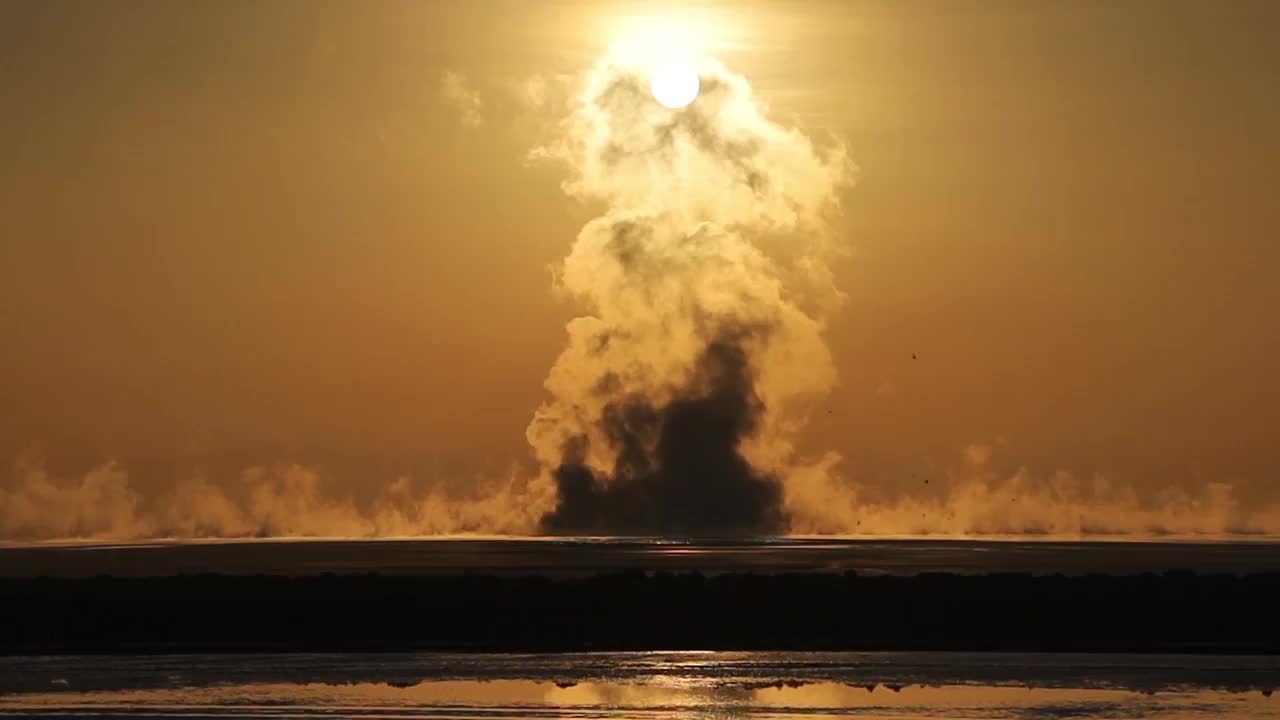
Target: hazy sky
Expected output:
[263,229]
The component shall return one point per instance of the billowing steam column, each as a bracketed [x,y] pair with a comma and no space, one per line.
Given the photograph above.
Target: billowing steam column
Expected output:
[673,407]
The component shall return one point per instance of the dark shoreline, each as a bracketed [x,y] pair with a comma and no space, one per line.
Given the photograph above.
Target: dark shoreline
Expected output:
[1174,612]
[561,557]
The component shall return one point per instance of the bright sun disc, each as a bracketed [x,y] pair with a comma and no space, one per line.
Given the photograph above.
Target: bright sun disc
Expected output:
[674,84]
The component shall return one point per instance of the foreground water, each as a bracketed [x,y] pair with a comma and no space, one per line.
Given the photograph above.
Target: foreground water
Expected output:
[614,686]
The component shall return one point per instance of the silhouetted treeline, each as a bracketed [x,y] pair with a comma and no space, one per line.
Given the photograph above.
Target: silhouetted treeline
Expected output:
[1174,612]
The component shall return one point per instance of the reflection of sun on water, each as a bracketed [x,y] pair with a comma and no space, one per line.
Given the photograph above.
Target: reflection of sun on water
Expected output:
[493,699]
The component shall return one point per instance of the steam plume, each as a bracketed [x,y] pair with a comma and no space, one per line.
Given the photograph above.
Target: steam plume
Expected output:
[674,404]
[285,500]
[973,498]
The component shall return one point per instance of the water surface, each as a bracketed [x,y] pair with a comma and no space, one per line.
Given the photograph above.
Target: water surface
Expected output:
[616,686]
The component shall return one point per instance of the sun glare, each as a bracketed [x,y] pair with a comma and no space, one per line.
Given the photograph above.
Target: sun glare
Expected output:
[654,37]
[669,50]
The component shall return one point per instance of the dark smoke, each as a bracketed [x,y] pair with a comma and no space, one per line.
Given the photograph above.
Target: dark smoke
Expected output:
[678,468]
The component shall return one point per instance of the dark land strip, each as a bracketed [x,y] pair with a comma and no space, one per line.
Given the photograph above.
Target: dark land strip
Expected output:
[1174,612]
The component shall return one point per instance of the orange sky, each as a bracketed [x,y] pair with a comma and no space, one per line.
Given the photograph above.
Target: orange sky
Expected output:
[259,231]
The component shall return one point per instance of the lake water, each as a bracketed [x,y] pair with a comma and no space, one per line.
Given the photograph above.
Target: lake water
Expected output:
[614,686]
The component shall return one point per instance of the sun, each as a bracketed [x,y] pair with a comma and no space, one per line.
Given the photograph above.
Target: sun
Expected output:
[674,84]
[670,51]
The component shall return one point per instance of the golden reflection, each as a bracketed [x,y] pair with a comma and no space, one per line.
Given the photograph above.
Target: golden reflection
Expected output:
[502,698]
